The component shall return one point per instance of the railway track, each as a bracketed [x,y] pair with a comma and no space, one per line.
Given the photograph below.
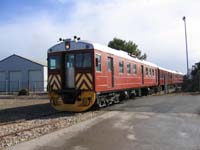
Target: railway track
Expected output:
[51,123]
[14,132]
[28,118]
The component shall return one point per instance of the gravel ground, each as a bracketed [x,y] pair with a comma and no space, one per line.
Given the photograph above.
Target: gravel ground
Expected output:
[23,109]
[46,125]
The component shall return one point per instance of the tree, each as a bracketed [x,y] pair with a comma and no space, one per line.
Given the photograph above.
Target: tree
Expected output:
[196,69]
[129,47]
[193,84]
[196,76]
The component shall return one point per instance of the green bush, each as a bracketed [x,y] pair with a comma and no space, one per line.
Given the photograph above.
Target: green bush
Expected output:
[23,92]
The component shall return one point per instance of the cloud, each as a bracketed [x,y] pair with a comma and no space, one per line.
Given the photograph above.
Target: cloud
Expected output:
[28,37]
[156,26]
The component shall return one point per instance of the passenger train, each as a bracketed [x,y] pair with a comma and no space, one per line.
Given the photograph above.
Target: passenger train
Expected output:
[83,74]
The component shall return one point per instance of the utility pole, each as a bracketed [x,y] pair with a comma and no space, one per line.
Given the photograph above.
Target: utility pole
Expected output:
[186,45]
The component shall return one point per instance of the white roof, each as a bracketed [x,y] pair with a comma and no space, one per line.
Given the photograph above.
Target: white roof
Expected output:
[83,44]
[172,71]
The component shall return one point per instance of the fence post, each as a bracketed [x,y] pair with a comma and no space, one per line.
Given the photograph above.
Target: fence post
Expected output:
[35,86]
[18,85]
[6,87]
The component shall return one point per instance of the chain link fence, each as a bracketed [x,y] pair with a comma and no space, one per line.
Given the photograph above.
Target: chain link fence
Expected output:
[16,86]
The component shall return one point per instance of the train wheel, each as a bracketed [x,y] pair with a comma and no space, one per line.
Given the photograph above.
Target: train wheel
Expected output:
[116,99]
[101,102]
[109,101]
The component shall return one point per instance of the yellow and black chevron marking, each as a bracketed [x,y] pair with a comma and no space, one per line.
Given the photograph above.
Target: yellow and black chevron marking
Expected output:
[84,81]
[55,81]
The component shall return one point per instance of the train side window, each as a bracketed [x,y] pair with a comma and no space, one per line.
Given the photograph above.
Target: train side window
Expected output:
[147,71]
[128,68]
[134,69]
[54,62]
[162,76]
[150,71]
[153,72]
[98,62]
[109,67]
[121,66]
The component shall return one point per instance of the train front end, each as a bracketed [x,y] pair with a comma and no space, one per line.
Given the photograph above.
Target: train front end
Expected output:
[71,76]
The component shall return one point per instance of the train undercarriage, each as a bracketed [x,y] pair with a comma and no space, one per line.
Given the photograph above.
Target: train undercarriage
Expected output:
[108,98]
[83,101]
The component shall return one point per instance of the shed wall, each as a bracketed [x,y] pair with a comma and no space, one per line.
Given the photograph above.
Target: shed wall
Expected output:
[18,73]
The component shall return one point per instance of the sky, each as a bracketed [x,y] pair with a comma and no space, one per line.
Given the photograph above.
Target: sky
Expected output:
[29,27]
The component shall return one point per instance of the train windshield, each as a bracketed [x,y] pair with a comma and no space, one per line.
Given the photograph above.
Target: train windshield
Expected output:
[54,62]
[83,60]
[70,61]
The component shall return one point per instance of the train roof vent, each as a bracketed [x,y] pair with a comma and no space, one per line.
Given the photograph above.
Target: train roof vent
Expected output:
[63,40]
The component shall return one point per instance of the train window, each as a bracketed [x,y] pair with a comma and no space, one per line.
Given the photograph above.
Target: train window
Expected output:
[83,60]
[109,65]
[153,72]
[147,71]
[70,61]
[134,69]
[98,62]
[54,62]
[150,71]
[79,60]
[87,60]
[128,68]
[121,66]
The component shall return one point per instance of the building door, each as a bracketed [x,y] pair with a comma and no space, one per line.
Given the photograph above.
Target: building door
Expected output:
[69,71]
[35,80]
[14,81]
[3,82]
[142,73]
[110,70]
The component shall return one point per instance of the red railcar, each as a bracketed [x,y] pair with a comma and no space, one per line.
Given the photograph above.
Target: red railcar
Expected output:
[82,74]
[119,71]
[169,77]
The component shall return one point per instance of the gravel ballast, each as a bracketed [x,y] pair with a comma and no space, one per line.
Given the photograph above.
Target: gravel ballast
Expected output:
[41,127]
[31,117]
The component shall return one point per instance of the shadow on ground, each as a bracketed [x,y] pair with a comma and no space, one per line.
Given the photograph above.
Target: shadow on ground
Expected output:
[30,112]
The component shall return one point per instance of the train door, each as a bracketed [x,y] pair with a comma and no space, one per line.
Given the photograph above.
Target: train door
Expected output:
[110,70]
[159,77]
[69,71]
[156,75]
[142,73]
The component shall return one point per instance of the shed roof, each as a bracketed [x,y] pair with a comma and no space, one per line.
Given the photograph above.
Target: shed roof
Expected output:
[33,61]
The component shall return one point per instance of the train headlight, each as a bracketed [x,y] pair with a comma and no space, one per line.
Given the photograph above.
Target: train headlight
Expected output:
[67,45]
